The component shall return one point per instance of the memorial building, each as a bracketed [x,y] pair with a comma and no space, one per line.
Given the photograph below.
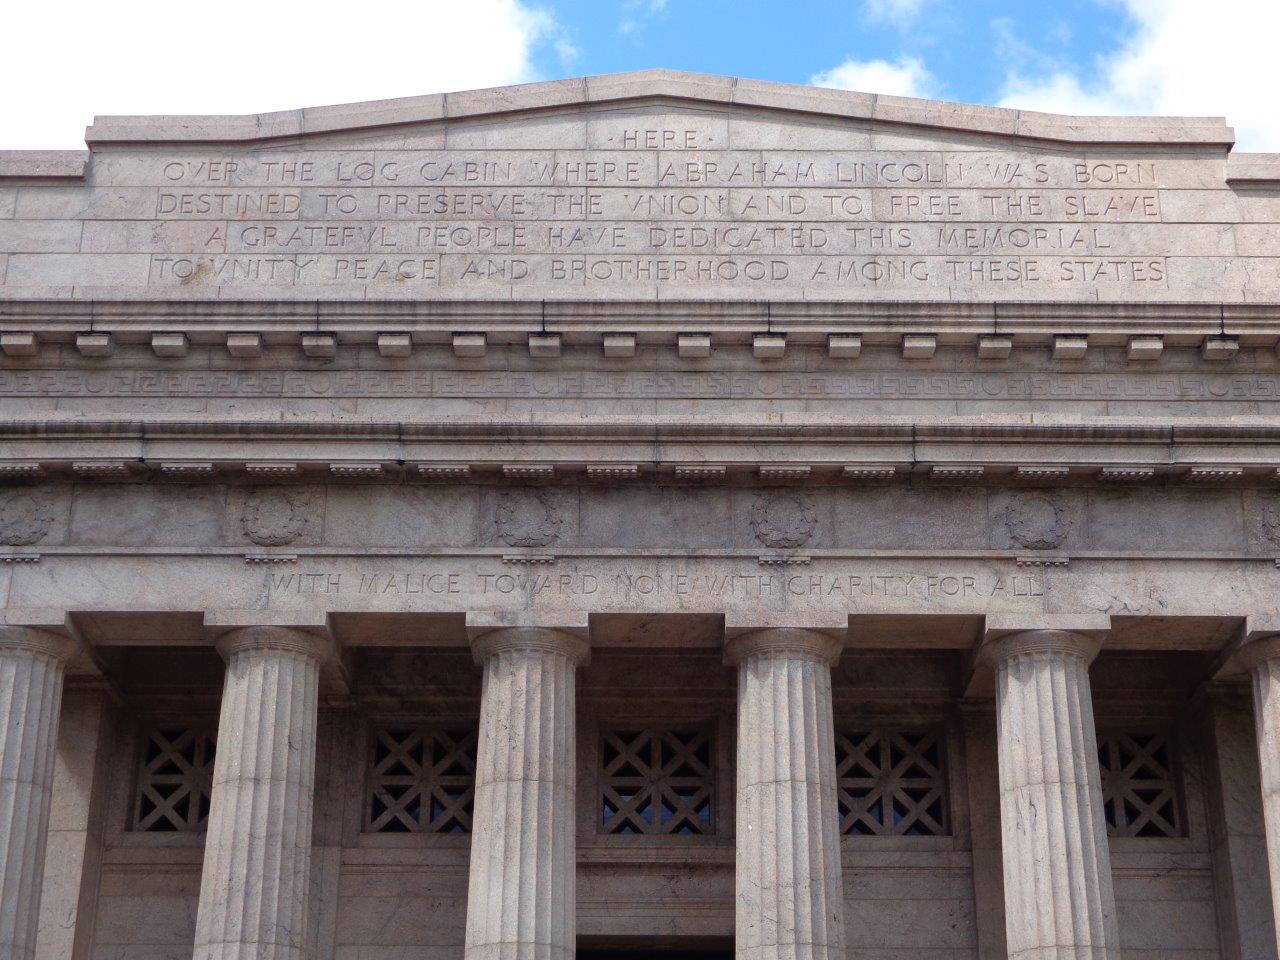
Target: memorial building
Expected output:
[653,515]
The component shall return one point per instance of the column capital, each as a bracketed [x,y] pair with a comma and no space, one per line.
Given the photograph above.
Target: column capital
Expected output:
[1030,643]
[490,643]
[41,642]
[306,633]
[269,637]
[793,643]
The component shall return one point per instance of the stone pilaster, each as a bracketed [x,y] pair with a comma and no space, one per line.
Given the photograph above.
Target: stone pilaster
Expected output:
[790,891]
[1059,900]
[521,899]
[1262,656]
[33,663]
[253,891]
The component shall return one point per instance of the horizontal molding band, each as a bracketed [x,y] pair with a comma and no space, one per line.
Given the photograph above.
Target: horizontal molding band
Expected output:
[666,311]
[834,430]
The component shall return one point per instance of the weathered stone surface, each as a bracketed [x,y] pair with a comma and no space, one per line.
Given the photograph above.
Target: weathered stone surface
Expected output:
[790,893]
[1057,867]
[645,361]
[521,899]
[253,893]
[32,665]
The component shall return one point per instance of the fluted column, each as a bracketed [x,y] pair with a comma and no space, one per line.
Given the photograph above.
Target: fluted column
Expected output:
[1059,901]
[1262,656]
[790,892]
[258,850]
[521,899]
[33,663]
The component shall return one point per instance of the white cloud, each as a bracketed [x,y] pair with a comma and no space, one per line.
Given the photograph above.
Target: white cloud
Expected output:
[905,77]
[1184,57]
[63,63]
[898,12]
[637,11]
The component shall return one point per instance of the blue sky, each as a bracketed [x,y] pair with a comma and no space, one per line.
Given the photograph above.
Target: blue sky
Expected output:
[967,46]
[78,58]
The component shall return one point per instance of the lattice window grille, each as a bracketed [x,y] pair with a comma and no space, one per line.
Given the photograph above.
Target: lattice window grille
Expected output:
[891,783]
[422,779]
[175,781]
[657,781]
[1139,788]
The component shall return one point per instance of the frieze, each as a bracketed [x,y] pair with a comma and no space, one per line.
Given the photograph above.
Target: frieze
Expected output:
[655,518]
[1057,385]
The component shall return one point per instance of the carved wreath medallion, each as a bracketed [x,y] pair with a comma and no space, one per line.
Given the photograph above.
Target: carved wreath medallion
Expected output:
[275,516]
[1036,521]
[783,520]
[527,518]
[25,517]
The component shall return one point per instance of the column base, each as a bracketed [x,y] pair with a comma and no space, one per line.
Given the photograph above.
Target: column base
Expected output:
[792,951]
[519,951]
[241,951]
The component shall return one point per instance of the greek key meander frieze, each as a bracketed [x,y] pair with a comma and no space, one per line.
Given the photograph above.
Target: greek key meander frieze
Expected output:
[1065,385]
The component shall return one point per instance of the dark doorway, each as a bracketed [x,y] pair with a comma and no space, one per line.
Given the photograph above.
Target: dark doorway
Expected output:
[664,948]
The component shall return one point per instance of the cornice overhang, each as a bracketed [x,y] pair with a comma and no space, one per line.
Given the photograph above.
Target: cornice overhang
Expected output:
[358,321]
[657,85]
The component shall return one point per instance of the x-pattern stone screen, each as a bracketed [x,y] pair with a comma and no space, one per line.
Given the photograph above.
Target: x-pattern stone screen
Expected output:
[659,780]
[175,781]
[1139,789]
[891,783]
[422,779]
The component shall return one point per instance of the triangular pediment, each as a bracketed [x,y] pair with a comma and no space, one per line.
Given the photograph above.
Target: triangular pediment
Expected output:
[657,89]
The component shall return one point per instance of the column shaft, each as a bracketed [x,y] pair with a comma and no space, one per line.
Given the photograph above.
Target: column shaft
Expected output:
[253,891]
[32,667]
[790,892]
[1265,661]
[1059,900]
[521,899]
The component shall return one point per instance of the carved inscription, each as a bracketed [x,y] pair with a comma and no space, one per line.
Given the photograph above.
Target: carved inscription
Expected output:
[662,202]
[632,589]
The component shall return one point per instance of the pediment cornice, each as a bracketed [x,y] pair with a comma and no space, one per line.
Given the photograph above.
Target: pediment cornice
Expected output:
[662,86]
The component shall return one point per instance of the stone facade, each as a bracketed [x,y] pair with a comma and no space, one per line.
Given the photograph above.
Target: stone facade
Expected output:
[655,513]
